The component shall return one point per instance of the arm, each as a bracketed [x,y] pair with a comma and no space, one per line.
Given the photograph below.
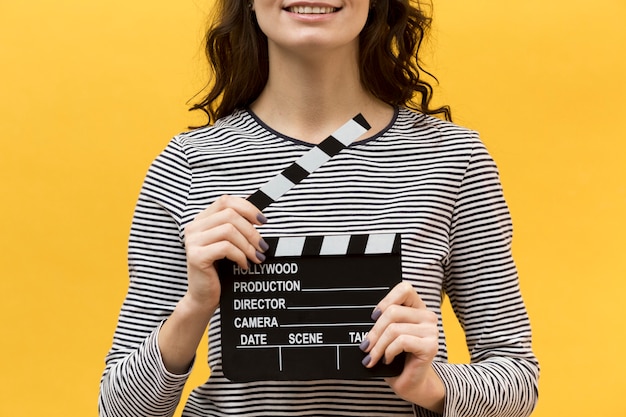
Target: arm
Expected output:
[482,283]
[174,289]
[135,380]
[483,286]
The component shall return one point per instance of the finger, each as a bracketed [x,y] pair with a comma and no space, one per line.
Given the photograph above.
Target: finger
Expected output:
[419,338]
[421,347]
[230,222]
[395,314]
[204,257]
[423,323]
[222,241]
[402,294]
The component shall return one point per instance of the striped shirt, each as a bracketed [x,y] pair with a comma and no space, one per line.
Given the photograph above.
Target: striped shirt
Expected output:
[427,179]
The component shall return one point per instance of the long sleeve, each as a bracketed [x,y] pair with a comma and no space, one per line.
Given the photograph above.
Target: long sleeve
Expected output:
[482,283]
[135,381]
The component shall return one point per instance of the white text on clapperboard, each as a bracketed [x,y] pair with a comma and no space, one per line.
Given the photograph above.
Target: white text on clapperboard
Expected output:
[262,322]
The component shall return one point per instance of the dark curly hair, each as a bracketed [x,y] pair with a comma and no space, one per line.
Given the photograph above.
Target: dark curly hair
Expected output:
[388,53]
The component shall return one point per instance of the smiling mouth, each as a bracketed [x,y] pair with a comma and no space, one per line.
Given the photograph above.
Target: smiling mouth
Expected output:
[312,10]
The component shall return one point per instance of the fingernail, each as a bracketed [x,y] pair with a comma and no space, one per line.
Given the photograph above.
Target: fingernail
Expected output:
[263,244]
[376,314]
[261,218]
[366,360]
[260,256]
[364,345]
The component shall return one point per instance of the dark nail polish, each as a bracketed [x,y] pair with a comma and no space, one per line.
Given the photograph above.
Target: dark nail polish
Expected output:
[260,256]
[376,314]
[261,218]
[364,345]
[366,360]
[263,244]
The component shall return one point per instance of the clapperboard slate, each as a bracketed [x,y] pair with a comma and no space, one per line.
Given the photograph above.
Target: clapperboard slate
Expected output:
[303,313]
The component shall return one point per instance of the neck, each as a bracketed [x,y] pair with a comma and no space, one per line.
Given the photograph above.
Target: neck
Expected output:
[308,98]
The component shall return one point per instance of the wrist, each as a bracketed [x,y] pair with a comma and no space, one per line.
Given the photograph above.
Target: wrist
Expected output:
[432,392]
[193,308]
[181,333]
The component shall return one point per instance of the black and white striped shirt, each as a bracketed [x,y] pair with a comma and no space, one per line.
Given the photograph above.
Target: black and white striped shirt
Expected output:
[427,179]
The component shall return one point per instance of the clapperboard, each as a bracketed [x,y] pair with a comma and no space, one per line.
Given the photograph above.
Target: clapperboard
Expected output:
[303,312]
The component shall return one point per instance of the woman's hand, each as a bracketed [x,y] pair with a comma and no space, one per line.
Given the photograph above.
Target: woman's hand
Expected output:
[225,229]
[404,324]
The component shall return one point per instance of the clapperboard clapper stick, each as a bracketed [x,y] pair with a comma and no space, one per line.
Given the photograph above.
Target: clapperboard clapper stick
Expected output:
[302,313]
[309,162]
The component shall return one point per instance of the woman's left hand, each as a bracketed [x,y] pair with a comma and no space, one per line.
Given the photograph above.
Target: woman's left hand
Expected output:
[404,324]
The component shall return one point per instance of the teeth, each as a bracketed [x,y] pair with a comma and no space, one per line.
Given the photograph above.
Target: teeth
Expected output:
[311,10]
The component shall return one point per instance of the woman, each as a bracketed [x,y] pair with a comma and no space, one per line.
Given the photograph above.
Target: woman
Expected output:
[288,73]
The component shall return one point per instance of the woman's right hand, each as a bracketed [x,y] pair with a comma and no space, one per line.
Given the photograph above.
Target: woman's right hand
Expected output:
[225,229]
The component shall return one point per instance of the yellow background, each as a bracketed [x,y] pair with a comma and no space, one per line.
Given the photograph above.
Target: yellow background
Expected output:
[91,91]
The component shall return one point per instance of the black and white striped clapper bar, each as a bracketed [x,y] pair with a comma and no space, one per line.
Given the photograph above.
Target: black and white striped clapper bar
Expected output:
[338,245]
[309,162]
[302,313]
